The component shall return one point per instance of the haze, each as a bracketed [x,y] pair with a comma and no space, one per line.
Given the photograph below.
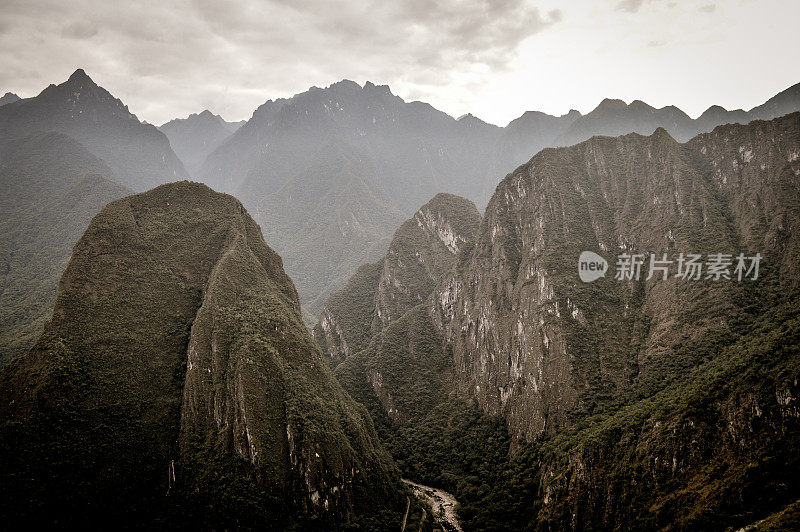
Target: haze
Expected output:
[494,59]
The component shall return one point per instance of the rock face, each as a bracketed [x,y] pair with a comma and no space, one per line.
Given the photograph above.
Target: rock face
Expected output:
[378,332]
[651,403]
[176,382]
[422,251]
[630,404]
[534,343]
[138,154]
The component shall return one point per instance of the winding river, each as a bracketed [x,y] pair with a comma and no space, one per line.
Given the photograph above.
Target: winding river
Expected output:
[442,503]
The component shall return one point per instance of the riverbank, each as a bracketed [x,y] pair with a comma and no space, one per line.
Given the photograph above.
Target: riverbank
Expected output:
[442,503]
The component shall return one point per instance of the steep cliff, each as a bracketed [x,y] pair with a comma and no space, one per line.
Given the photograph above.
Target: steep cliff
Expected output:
[423,250]
[533,342]
[390,356]
[643,403]
[176,383]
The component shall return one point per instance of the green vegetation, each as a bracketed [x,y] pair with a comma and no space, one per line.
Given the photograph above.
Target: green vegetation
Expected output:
[53,188]
[177,383]
[357,297]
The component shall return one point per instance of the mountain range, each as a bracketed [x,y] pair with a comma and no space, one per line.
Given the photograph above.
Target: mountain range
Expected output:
[406,152]
[156,364]
[331,172]
[628,404]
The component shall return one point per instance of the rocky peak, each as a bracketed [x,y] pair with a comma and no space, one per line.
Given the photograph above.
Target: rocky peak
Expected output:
[208,115]
[380,89]
[422,250]
[80,77]
[9,97]
[611,104]
[450,219]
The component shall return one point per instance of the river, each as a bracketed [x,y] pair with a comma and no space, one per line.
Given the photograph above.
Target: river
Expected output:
[442,503]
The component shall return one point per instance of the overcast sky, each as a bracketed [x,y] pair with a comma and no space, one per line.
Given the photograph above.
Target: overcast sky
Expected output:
[494,58]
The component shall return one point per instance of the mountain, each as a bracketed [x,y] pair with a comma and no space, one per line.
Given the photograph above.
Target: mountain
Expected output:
[405,153]
[422,250]
[177,386]
[52,187]
[416,149]
[390,155]
[389,355]
[652,403]
[139,155]
[613,118]
[9,97]
[194,137]
[401,371]
[642,404]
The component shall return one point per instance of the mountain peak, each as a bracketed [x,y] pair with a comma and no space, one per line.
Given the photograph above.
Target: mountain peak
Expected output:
[345,84]
[612,103]
[369,86]
[714,110]
[80,76]
[661,135]
[639,104]
[9,97]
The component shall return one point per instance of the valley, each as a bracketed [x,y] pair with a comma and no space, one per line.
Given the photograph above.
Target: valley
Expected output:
[442,503]
[353,311]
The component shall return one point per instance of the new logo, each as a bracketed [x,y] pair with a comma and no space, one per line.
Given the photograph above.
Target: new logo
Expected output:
[591,266]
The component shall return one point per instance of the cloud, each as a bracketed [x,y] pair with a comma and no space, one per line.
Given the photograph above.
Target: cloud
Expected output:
[79,30]
[224,51]
[629,6]
[708,8]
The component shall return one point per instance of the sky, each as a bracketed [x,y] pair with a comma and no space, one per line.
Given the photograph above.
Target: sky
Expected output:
[492,58]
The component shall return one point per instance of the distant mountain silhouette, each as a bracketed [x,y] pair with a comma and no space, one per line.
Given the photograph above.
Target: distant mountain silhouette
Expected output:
[9,97]
[139,155]
[356,160]
[194,137]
